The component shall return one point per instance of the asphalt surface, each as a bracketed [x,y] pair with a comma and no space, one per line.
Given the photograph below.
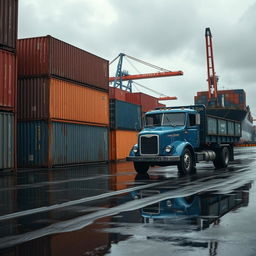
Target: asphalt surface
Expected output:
[109,210]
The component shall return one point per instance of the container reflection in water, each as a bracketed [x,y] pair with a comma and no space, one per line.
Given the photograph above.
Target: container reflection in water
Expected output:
[122,175]
[46,144]
[72,183]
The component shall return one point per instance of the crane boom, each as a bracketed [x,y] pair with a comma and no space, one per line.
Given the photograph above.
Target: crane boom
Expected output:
[148,75]
[212,79]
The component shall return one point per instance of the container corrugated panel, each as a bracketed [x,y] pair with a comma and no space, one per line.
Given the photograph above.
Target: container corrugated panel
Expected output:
[7,140]
[42,144]
[124,115]
[49,98]
[121,142]
[146,101]
[7,80]
[33,144]
[8,24]
[49,56]
[118,94]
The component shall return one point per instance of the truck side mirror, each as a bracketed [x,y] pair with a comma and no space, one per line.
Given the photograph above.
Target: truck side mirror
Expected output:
[198,119]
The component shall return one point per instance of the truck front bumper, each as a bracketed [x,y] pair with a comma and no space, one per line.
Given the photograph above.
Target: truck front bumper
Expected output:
[153,158]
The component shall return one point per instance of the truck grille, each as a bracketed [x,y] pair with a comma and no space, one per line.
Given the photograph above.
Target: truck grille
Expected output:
[153,208]
[149,145]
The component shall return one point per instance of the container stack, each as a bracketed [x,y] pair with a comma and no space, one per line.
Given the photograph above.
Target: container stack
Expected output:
[125,122]
[126,111]
[63,104]
[8,82]
[146,101]
[226,98]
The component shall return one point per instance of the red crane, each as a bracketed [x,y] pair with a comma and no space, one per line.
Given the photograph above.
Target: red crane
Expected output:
[124,76]
[212,78]
[148,75]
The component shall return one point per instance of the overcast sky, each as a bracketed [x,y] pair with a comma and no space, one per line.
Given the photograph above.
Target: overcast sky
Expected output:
[167,33]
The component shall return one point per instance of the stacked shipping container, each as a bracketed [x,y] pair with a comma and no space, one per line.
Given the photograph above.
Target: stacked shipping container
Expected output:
[125,122]
[63,104]
[226,98]
[126,110]
[8,82]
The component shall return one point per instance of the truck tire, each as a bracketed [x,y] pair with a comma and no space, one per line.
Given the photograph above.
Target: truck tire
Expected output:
[222,158]
[141,167]
[186,164]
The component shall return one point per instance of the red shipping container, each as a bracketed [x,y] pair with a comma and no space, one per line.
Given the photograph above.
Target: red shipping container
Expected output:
[8,79]
[117,94]
[8,24]
[48,56]
[146,101]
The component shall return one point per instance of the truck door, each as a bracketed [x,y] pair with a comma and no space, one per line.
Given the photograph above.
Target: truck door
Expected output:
[192,131]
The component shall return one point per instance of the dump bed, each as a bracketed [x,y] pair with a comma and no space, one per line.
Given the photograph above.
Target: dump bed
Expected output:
[214,129]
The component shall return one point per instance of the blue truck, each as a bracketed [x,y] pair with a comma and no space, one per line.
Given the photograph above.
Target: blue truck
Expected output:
[184,136]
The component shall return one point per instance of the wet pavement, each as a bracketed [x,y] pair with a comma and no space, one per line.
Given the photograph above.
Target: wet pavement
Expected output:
[109,210]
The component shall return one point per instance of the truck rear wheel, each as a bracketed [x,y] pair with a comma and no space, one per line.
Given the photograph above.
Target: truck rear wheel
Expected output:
[186,164]
[141,167]
[222,158]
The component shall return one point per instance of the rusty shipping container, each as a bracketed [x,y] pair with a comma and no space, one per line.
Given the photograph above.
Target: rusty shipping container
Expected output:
[124,115]
[49,56]
[8,24]
[50,98]
[47,144]
[146,101]
[121,142]
[7,138]
[8,80]
[118,94]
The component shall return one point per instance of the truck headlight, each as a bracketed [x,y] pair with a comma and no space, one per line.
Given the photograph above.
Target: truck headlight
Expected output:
[169,203]
[168,149]
[135,148]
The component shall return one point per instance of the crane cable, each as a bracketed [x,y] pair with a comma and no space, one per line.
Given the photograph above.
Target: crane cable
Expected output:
[132,65]
[148,64]
[160,94]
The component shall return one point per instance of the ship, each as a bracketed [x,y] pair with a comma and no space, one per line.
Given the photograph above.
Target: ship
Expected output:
[231,104]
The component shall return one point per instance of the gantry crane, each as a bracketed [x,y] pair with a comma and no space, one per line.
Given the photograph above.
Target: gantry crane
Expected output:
[212,78]
[125,76]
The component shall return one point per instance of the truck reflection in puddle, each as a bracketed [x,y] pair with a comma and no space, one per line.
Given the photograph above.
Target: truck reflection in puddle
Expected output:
[202,209]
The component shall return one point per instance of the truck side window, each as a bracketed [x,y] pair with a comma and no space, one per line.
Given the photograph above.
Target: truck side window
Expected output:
[192,119]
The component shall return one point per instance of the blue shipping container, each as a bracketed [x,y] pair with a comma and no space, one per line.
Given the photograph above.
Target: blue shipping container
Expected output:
[6,140]
[42,144]
[124,115]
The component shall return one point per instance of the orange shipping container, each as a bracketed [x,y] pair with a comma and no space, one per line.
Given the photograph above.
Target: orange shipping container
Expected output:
[121,142]
[50,98]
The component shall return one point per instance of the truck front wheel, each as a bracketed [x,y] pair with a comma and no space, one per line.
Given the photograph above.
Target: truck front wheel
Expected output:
[186,164]
[141,167]
[222,158]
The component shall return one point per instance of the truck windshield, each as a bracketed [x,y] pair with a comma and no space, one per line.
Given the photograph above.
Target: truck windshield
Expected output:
[163,119]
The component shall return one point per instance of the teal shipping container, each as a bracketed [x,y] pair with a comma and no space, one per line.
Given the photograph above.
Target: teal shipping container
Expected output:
[124,115]
[7,147]
[48,144]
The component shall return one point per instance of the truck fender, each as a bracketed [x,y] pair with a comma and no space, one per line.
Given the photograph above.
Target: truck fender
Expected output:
[180,147]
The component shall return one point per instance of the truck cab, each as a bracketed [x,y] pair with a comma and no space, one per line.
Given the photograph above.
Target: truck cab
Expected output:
[182,136]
